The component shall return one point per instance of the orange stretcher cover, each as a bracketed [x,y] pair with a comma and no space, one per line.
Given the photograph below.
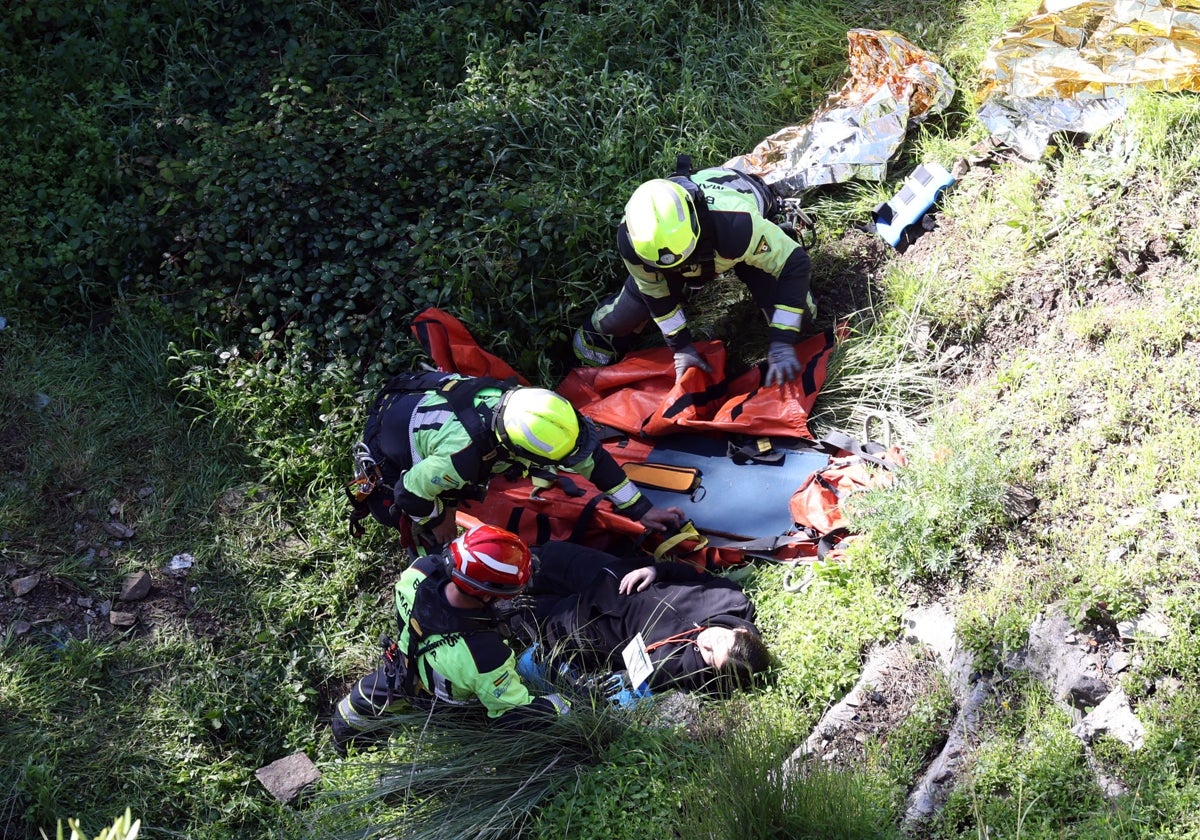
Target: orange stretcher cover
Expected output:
[454,349]
[638,394]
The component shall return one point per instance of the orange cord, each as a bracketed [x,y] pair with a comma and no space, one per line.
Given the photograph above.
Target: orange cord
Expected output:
[678,637]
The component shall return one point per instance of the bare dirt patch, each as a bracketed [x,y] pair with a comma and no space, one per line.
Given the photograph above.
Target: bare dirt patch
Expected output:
[62,610]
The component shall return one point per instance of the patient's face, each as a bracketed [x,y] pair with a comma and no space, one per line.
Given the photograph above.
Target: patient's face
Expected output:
[714,644]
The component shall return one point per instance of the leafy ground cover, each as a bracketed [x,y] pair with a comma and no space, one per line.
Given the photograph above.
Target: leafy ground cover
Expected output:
[1044,334]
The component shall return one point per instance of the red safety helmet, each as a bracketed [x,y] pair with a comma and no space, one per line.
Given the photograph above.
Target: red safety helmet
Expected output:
[487,560]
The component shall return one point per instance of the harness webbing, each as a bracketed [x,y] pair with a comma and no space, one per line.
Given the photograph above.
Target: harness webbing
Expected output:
[704,253]
[428,618]
[460,395]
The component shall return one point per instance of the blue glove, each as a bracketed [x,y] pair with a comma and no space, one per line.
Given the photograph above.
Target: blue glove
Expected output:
[627,697]
[689,357]
[615,689]
[782,364]
[533,671]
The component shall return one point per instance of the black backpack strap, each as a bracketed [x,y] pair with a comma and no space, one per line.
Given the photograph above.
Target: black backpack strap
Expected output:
[836,443]
[460,395]
[705,253]
[585,519]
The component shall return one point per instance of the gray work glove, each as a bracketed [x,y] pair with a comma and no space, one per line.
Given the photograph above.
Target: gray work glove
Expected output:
[689,357]
[782,364]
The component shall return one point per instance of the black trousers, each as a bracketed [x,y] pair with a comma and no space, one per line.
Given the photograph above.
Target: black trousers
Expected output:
[359,718]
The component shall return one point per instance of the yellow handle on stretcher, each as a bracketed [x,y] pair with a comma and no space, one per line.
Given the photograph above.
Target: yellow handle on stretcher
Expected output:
[687,531]
[664,477]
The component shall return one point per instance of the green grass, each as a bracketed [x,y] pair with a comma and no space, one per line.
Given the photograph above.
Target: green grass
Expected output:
[235,452]
[744,793]
[170,722]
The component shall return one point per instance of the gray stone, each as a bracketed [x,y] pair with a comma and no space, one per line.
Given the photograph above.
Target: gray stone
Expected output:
[24,585]
[1116,555]
[841,714]
[1169,686]
[1066,669]
[20,627]
[675,708]
[1118,662]
[1111,786]
[1113,717]
[934,786]
[136,587]
[934,626]
[180,563]
[122,619]
[288,777]
[1151,625]
[118,530]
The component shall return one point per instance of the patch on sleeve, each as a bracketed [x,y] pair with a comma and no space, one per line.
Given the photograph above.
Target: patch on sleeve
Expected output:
[762,246]
[501,684]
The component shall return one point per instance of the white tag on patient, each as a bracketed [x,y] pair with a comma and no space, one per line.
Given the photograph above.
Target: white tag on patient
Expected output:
[637,661]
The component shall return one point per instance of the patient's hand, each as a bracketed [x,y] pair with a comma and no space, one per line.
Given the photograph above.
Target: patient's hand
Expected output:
[637,580]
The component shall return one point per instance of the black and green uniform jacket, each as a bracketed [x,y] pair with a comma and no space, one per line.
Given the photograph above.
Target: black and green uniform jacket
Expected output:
[447,465]
[461,658]
[740,235]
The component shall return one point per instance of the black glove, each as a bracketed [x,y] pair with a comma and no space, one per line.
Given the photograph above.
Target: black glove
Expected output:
[514,619]
[613,689]
[782,364]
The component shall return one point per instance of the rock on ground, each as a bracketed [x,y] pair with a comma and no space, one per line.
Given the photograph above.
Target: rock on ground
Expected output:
[287,778]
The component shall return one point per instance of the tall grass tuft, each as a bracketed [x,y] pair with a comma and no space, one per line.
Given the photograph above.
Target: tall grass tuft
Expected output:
[747,794]
[947,503]
[445,776]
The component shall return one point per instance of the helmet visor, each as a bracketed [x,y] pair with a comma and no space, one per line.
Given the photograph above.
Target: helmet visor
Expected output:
[479,587]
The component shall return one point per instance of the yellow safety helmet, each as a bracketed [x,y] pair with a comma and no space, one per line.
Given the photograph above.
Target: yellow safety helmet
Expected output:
[661,223]
[541,426]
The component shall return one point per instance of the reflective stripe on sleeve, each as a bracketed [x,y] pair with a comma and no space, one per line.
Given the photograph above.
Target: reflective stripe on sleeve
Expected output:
[672,322]
[787,318]
[624,494]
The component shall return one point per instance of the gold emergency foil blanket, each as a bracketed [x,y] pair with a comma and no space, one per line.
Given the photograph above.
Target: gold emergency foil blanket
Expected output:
[1069,66]
[857,130]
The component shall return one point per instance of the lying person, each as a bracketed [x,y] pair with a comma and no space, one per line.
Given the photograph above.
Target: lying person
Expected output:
[698,628]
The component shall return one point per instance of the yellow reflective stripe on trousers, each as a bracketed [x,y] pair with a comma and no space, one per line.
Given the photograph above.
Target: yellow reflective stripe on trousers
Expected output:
[353,719]
[588,354]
